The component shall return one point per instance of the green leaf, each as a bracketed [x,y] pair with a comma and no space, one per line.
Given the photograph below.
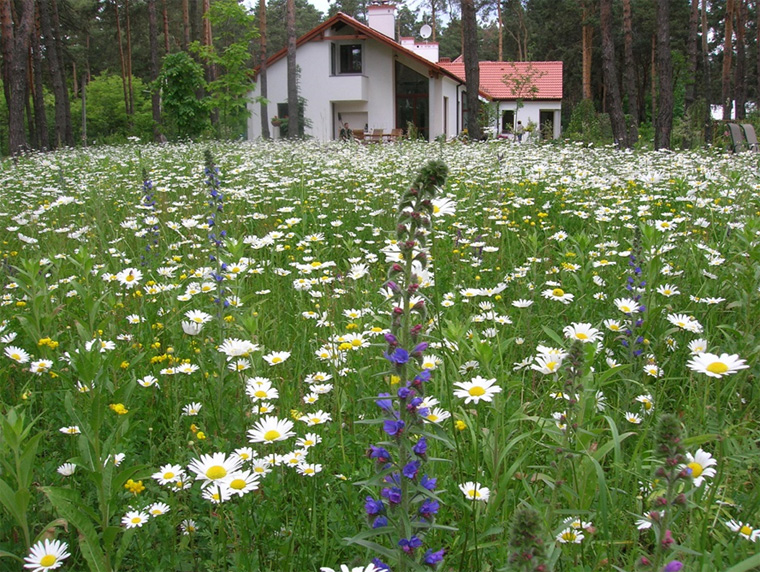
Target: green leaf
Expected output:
[751,563]
[4,554]
[88,536]
[373,546]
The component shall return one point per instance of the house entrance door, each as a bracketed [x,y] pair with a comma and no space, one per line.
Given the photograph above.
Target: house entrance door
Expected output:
[412,99]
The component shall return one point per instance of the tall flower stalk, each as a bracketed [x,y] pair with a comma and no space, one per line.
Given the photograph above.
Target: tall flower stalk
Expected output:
[216,237]
[148,205]
[407,505]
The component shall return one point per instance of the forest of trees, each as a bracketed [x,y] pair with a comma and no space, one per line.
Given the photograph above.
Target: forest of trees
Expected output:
[81,71]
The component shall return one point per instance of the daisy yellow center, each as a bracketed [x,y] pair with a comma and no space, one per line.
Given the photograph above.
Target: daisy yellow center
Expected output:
[477,391]
[569,536]
[48,560]
[17,357]
[473,494]
[436,209]
[156,512]
[216,472]
[197,320]
[308,443]
[558,292]
[271,435]
[260,393]
[238,484]
[746,530]
[581,336]
[432,417]
[169,475]
[625,309]
[316,420]
[136,520]
[696,469]
[356,343]
[129,278]
[667,292]
[276,359]
[717,367]
[648,406]
[308,471]
[614,327]
[551,366]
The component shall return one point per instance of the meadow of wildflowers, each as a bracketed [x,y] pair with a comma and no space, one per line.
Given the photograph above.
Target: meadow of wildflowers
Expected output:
[399,357]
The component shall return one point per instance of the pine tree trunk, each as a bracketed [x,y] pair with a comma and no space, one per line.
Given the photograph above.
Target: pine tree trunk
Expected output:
[264,111]
[707,81]
[155,98]
[185,24]
[740,79]
[728,51]
[68,132]
[128,61]
[471,67]
[433,19]
[122,60]
[629,73]
[166,28]
[16,41]
[501,30]
[62,111]
[290,17]
[609,70]
[586,49]
[31,129]
[207,39]
[691,55]
[664,120]
[40,117]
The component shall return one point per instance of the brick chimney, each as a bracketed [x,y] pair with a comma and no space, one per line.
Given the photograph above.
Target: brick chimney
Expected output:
[381,16]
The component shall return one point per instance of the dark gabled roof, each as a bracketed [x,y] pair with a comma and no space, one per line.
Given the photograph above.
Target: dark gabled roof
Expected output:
[366,31]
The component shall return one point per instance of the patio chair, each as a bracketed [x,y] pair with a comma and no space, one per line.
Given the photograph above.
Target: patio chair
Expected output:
[358,135]
[751,137]
[376,136]
[738,143]
[395,134]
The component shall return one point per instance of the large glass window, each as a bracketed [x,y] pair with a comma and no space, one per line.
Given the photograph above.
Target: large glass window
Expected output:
[412,99]
[349,58]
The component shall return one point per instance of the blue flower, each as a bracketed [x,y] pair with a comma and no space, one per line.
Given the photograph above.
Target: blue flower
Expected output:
[411,469]
[429,508]
[393,494]
[380,522]
[394,427]
[409,545]
[433,558]
[399,356]
[382,455]
[384,404]
[373,506]
[420,447]
[428,483]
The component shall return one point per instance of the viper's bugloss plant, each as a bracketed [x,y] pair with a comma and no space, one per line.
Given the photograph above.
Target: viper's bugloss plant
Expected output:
[527,546]
[668,500]
[152,229]
[633,340]
[406,506]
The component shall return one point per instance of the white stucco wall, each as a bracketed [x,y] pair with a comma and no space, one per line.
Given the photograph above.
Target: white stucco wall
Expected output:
[368,99]
[529,113]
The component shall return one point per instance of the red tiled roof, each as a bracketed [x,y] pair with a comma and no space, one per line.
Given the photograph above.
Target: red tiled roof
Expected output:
[546,78]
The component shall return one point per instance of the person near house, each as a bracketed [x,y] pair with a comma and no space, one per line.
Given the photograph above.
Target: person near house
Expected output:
[519,130]
[345,132]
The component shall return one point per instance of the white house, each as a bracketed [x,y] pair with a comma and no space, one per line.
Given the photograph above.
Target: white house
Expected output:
[357,74]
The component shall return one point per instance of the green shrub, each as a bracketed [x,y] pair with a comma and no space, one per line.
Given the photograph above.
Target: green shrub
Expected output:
[107,119]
